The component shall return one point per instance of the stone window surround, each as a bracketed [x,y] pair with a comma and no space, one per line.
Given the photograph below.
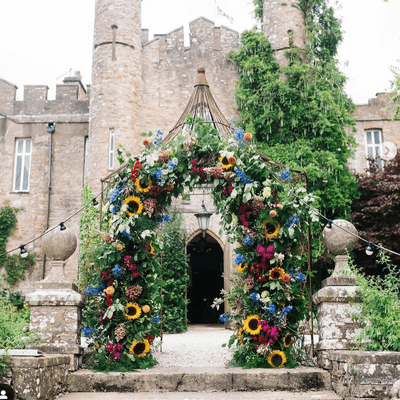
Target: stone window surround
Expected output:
[111,149]
[23,154]
[372,146]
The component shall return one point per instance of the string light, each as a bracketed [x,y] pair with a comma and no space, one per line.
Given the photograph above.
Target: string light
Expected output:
[24,253]
[329,224]
[369,250]
[62,226]
[95,202]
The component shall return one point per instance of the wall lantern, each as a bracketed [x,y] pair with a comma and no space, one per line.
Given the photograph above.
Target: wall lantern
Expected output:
[203,219]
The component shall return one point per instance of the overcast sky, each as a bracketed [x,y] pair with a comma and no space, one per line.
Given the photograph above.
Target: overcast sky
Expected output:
[42,40]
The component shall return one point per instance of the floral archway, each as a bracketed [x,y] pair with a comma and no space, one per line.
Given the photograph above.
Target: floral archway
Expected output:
[260,213]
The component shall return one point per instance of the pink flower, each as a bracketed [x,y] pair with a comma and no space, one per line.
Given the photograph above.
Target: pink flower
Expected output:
[195,170]
[270,249]
[127,259]
[260,249]
[118,347]
[116,356]
[110,347]
[136,274]
[245,224]
[194,162]
[132,267]
[242,218]
[269,256]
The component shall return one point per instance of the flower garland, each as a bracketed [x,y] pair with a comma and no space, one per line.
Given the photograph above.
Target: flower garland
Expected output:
[266,301]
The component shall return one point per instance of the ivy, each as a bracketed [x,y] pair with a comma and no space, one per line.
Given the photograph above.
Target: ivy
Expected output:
[15,266]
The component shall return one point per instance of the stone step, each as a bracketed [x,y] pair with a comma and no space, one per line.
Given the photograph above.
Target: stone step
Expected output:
[263,395]
[211,379]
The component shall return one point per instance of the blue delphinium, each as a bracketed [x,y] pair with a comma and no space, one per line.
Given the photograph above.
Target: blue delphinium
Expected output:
[157,174]
[158,138]
[300,277]
[293,221]
[239,259]
[126,234]
[242,176]
[285,175]
[172,164]
[156,319]
[240,136]
[255,297]
[247,240]
[271,309]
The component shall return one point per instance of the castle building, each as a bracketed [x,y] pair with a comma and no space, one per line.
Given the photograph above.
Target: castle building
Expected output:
[49,147]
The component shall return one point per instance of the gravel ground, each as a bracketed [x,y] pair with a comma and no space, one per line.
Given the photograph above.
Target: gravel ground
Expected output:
[200,346]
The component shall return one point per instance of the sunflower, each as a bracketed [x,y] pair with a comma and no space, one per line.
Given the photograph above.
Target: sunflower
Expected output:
[288,340]
[250,325]
[276,359]
[140,349]
[276,273]
[225,162]
[271,228]
[134,205]
[143,186]
[242,267]
[240,339]
[133,311]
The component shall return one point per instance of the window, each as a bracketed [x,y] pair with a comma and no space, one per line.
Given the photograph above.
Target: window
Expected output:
[22,163]
[111,150]
[85,160]
[373,146]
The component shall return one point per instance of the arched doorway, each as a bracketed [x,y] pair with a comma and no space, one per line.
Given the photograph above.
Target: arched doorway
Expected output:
[206,266]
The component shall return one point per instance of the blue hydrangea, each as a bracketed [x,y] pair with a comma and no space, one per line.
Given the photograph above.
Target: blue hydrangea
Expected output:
[86,331]
[247,240]
[117,271]
[239,259]
[164,218]
[300,277]
[242,176]
[89,290]
[240,136]
[157,174]
[285,175]
[255,297]
[291,272]
[223,318]
[113,195]
[271,309]
[114,210]
[126,234]
[293,221]
[94,290]
[286,311]
[156,319]
[172,164]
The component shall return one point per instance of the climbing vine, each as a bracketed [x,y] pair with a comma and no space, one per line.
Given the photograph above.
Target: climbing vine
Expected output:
[259,209]
[15,266]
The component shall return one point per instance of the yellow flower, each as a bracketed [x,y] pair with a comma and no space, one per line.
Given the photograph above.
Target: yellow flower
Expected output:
[134,205]
[248,136]
[276,273]
[271,228]
[109,291]
[288,340]
[280,206]
[276,359]
[242,267]
[240,331]
[250,325]
[225,162]
[133,311]
[140,349]
[146,309]
[120,246]
[142,186]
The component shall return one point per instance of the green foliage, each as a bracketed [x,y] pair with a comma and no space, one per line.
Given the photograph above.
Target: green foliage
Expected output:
[395,86]
[380,308]
[376,213]
[15,266]
[175,274]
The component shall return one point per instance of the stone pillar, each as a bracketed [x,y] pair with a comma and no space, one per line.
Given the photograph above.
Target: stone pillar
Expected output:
[337,299]
[283,25]
[55,303]
[117,85]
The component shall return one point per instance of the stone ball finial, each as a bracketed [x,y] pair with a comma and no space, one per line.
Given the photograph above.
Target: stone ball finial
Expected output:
[201,70]
[338,241]
[59,244]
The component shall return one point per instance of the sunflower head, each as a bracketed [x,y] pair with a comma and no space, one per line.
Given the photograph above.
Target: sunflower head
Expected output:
[143,185]
[140,349]
[133,311]
[242,267]
[134,205]
[288,340]
[225,162]
[276,273]
[276,359]
[271,228]
[250,325]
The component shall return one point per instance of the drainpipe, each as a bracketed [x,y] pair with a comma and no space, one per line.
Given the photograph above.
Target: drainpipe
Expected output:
[51,128]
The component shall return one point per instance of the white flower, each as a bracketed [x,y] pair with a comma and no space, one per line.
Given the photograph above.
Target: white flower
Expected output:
[227,154]
[279,256]
[267,191]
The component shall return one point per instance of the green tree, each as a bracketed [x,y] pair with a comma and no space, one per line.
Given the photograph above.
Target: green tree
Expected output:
[299,113]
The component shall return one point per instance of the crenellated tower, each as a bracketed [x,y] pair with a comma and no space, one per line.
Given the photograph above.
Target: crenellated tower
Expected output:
[283,24]
[117,85]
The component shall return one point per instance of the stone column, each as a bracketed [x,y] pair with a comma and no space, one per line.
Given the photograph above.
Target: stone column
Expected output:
[55,303]
[337,299]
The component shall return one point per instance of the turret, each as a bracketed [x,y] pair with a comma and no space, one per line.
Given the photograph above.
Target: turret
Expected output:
[115,95]
[283,24]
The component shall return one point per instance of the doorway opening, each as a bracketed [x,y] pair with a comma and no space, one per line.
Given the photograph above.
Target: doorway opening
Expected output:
[206,266]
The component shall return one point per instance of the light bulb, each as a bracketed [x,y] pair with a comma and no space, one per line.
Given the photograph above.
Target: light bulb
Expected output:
[62,226]
[329,224]
[24,253]
[296,202]
[95,202]
[369,250]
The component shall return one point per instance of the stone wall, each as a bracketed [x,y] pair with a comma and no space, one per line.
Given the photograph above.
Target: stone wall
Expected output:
[377,114]
[170,70]
[364,374]
[28,119]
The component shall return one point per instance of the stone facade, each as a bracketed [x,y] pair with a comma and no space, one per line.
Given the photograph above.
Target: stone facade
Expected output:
[375,116]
